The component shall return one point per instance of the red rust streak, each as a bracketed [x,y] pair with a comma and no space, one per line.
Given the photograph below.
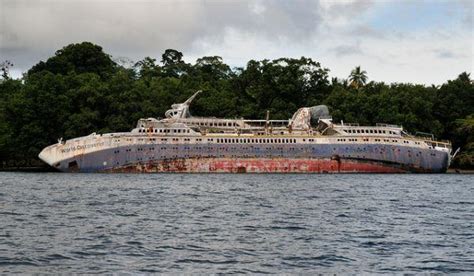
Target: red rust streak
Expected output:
[277,165]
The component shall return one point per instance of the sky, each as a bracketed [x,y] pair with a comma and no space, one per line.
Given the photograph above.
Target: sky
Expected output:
[418,41]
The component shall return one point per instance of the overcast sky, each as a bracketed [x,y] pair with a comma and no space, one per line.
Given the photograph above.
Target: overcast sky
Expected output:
[417,41]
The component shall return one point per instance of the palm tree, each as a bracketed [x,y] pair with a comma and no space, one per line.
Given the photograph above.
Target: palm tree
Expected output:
[358,77]
[465,77]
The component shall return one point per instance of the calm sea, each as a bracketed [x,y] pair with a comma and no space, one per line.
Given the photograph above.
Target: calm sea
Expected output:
[183,223]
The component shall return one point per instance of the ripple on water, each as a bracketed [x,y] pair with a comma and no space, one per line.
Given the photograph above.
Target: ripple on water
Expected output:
[206,224]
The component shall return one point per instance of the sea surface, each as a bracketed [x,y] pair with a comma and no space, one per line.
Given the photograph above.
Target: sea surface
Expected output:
[244,223]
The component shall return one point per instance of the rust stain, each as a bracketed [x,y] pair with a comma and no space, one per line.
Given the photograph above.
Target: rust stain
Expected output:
[279,165]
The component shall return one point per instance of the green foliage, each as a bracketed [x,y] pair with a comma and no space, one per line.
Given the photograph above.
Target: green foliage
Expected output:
[465,133]
[358,77]
[81,90]
[79,58]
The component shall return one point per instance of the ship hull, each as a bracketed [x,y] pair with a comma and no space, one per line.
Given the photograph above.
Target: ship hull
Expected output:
[238,158]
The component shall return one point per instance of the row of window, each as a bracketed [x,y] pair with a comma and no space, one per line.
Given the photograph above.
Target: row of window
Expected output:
[252,148]
[370,131]
[255,141]
[382,151]
[266,140]
[164,130]
[217,124]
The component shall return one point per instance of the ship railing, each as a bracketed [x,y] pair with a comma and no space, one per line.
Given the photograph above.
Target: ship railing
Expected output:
[352,124]
[387,125]
[425,135]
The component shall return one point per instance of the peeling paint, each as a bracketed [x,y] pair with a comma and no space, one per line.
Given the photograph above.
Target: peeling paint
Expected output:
[278,165]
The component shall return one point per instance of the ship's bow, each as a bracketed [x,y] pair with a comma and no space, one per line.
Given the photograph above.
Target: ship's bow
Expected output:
[49,155]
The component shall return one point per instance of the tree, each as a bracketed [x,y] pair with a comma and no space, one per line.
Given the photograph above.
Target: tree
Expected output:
[147,69]
[5,68]
[465,132]
[79,58]
[281,86]
[173,64]
[358,77]
[171,57]
[212,67]
[465,77]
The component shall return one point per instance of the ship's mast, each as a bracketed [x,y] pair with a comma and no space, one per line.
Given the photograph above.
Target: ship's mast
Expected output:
[181,110]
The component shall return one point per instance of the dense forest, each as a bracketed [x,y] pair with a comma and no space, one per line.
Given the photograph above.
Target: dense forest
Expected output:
[81,90]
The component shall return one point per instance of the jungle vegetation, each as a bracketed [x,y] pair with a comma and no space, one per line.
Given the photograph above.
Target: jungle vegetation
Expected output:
[81,90]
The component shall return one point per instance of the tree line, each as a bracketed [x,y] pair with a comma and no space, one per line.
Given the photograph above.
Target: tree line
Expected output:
[81,90]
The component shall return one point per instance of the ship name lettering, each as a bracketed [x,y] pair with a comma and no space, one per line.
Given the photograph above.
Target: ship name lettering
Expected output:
[80,147]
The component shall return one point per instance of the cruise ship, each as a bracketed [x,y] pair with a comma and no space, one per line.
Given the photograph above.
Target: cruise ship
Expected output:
[309,142]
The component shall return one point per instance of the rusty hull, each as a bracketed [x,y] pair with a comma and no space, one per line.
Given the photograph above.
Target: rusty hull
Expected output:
[274,165]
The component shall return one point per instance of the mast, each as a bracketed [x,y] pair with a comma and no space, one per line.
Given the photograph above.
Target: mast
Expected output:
[181,110]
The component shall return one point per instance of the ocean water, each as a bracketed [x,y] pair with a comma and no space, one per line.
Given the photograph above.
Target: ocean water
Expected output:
[220,223]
